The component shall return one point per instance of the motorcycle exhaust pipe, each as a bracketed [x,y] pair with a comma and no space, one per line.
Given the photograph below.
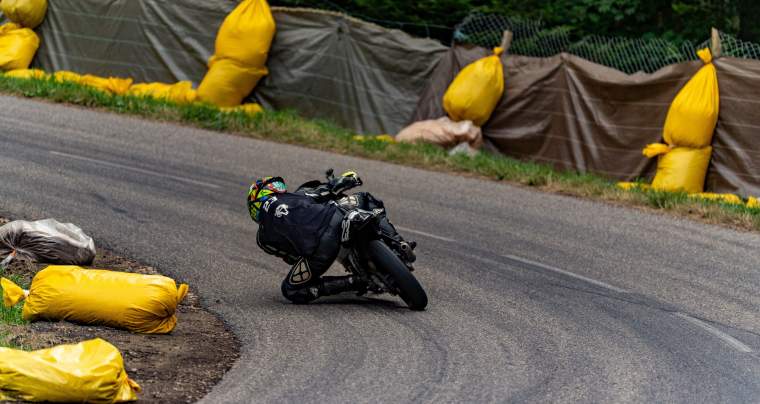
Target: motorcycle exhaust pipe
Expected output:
[406,250]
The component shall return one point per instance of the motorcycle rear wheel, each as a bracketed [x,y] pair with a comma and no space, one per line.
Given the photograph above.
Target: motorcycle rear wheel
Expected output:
[409,289]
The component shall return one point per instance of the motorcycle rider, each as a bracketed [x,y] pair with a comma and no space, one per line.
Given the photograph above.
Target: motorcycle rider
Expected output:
[306,228]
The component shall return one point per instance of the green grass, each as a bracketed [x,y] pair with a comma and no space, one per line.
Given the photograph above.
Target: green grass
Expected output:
[9,316]
[12,315]
[288,127]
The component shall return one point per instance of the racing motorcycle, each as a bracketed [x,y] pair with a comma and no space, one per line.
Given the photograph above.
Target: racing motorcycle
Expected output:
[370,253]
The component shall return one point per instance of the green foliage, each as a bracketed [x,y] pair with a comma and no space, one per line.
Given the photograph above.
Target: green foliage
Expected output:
[673,20]
[11,315]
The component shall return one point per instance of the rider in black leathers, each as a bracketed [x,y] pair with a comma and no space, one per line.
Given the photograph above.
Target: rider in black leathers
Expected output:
[306,227]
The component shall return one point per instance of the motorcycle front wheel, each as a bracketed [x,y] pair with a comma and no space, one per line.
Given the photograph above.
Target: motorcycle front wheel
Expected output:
[409,289]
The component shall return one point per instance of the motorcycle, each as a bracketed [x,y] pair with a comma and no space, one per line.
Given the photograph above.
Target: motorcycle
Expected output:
[382,262]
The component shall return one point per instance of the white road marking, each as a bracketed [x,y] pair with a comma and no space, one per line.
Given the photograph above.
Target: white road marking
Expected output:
[729,340]
[566,273]
[493,262]
[422,233]
[136,169]
[525,261]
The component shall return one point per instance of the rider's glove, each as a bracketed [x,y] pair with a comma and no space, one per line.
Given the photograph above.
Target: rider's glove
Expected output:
[346,181]
[354,221]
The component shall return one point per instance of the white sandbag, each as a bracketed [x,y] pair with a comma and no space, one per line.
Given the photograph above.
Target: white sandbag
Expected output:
[443,132]
[47,241]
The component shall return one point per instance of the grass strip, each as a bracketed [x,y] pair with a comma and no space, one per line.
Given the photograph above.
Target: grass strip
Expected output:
[288,127]
[9,315]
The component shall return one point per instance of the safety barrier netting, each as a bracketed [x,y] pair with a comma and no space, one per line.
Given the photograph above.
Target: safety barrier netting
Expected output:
[630,55]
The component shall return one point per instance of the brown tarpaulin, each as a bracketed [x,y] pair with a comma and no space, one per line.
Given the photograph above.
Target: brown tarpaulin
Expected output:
[577,115]
[735,165]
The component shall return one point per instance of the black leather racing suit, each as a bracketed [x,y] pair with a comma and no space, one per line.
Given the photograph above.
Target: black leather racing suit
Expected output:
[305,232]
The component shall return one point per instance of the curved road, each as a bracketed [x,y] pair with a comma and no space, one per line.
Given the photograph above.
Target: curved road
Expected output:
[533,297]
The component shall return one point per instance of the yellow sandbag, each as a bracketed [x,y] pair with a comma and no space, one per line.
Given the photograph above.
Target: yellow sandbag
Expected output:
[246,34]
[27,13]
[240,56]
[727,198]
[65,75]
[627,186]
[382,138]
[476,90]
[90,371]
[181,92]
[682,169]
[113,85]
[694,112]
[250,108]
[655,149]
[227,82]
[135,302]
[17,46]
[26,74]
[12,293]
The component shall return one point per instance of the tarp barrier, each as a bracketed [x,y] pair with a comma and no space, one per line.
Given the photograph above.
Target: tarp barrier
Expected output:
[357,74]
[735,164]
[577,115]
[569,112]
[321,64]
[561,110]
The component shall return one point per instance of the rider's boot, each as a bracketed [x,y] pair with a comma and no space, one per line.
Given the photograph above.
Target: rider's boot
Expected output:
[368,202]
[333,285]
[404,248]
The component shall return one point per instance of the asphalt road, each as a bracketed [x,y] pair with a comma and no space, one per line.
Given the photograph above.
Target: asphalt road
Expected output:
[533,297]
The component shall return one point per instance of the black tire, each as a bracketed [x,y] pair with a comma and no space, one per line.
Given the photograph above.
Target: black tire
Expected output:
[408,287]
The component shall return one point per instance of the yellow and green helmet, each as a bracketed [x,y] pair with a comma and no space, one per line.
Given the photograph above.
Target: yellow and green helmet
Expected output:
[260,191]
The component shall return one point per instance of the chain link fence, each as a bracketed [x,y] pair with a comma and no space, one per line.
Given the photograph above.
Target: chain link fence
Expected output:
[419,29]
[735,47]
[533,38]
[629,55]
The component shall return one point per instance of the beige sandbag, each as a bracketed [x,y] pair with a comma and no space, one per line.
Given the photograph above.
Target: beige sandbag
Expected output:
[443,132]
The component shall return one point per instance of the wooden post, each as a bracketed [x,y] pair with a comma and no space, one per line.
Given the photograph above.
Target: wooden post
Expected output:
[715,46]
[506,40]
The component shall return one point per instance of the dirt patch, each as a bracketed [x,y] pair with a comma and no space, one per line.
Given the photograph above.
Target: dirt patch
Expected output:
[180,367]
